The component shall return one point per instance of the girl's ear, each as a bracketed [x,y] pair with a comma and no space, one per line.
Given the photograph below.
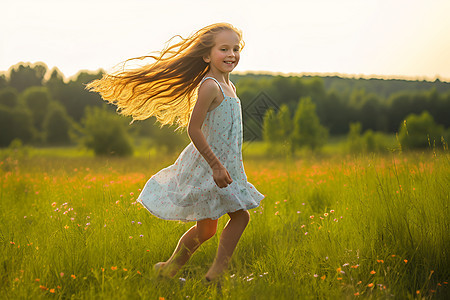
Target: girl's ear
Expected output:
[206,59]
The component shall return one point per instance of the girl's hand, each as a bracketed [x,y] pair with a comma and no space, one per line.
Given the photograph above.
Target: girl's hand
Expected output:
[221,176]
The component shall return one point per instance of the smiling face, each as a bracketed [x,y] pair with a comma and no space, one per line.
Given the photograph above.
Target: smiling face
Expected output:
[224,55]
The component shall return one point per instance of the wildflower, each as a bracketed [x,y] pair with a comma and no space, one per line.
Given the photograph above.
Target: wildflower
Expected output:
[339,278]
[299,212]
[380,260]
[344,265]
[332,211]
[278,202]
[311,217]
[132,222]
[43,288]
[359,282]
[37,280]
[87,224]
[325,214]
[417,292]
[12,243]
[306,233]
[303,226]
[139,272]
[277,213]
[315,275]
[73,276]
[131,194]
[372,272]
[141,235]
[130,237]
[370,285]
[139,223]
[323,277]
[125,269]
[356,294]
[113,268]
[103,270]
[303,203]
[338,270]
[405,260]
[52,290]
[54,204]
[393,255]
[61,274]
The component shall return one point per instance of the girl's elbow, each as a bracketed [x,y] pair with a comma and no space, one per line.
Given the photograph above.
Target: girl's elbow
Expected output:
[192,131]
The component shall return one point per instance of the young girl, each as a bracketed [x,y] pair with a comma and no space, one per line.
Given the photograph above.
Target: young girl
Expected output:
[208,179]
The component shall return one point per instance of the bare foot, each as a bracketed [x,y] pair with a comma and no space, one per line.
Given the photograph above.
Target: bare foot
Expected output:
[214,273]
[165,270]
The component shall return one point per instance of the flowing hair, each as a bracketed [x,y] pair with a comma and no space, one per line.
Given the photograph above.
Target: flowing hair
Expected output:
[166,88]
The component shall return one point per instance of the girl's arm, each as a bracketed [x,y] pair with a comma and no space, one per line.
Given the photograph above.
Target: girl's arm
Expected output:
[207,92]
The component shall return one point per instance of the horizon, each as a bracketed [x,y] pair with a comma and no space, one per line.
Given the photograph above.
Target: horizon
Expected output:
[249,72]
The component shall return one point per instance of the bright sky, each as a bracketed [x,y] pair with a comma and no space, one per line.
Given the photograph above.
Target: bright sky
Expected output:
[394,38]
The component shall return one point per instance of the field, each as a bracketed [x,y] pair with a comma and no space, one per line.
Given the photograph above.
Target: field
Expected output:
[362,226]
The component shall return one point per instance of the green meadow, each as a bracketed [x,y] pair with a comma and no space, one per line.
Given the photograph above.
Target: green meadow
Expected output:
[369,226]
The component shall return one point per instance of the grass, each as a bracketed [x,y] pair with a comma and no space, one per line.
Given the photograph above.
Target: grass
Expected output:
[361,226]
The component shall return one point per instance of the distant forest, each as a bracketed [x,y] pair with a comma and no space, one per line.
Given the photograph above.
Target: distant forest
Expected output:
[40,106]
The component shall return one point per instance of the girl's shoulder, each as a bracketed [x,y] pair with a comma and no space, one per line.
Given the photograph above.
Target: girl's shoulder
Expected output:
[209,87]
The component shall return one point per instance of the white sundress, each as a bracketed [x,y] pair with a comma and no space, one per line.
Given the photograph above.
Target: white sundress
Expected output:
[186,190]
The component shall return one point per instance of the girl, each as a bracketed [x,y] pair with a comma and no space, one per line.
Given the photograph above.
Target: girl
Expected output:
[208,179]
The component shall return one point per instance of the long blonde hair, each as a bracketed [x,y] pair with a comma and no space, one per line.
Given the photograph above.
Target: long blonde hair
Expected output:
[166,88]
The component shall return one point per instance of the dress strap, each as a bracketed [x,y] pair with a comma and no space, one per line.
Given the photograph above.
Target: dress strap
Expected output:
[216,82]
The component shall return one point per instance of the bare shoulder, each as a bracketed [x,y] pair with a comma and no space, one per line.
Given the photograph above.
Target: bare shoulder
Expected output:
[208,91]
[208,88]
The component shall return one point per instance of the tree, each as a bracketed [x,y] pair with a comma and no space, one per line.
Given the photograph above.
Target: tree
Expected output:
[419,131]
[270,127]
[307,129]
[23,75]
[15,123]
[37,99]
[105,132]
[284,123]
[9,97]
[57,125]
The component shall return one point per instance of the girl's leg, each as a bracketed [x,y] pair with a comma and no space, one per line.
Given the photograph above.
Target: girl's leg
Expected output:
[188,243]
[228,241]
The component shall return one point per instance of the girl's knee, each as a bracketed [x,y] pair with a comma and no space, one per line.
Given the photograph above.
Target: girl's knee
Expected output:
[241,215]
[206,230]
[206,234]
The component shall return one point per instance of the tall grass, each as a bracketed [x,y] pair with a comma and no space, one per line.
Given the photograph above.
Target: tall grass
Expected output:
[365,226]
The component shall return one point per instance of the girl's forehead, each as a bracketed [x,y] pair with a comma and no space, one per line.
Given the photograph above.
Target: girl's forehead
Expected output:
[227,37]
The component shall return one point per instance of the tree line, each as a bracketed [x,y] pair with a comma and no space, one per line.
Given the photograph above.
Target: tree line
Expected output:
[41,107]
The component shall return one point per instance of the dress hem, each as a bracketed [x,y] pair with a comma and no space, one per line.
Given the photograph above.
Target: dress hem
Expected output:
[195,220]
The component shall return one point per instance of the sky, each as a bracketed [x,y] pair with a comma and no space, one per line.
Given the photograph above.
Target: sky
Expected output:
[358,38]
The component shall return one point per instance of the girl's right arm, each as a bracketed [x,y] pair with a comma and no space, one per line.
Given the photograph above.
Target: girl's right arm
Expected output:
[207,92]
